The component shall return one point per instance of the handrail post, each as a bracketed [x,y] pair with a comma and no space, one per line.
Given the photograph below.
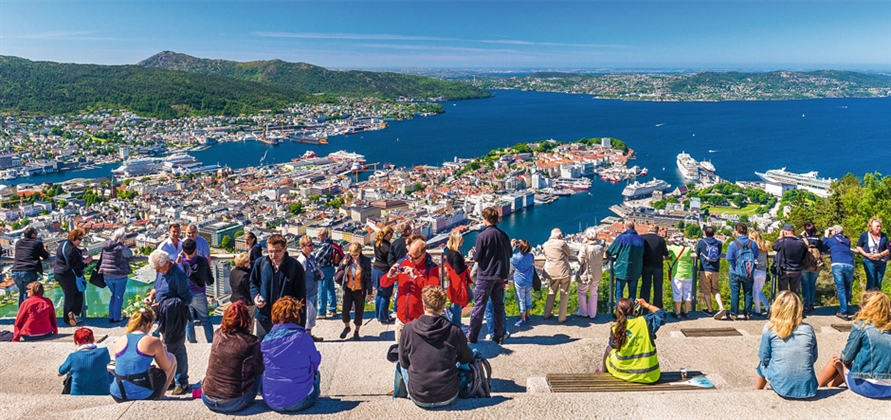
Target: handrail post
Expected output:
[612,285]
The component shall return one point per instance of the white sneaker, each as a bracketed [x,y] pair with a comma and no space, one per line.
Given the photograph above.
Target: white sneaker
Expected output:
[488,336]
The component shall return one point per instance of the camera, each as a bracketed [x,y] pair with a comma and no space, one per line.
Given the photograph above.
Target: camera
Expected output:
[637,308]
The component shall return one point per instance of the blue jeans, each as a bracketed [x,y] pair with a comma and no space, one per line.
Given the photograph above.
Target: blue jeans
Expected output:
[198,309]
[327,297]
[309,400]
[746,283]
[400,390]
[490,315]
[117,287]
[22,279]
[809,287]
[875,270]
[620,286]
[524,297]
[455,311]
[231,405]
[843,274]
[382,298]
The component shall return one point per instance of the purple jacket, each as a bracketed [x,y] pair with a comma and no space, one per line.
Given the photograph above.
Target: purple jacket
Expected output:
[291,362]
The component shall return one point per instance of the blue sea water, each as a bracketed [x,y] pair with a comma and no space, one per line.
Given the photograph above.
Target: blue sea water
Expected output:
[832,136]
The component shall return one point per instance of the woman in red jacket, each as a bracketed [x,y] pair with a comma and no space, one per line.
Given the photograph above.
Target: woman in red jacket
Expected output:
[37,316]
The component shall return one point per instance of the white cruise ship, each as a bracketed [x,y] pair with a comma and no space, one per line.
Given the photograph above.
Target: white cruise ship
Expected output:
[639,190]
[138,167]
[778,181]
[688,166]
[343,155]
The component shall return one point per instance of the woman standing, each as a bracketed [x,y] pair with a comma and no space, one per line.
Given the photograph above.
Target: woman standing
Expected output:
[115,266]
[788,351]
[87,366]
[865,363]
[291,377]
[873,245]
[590,274]
[524,270]
[256,251]
[240,282]
[356,287]
[760,272]
[381,266]
[459,277]
[235,364]
[810,272]
[69,266]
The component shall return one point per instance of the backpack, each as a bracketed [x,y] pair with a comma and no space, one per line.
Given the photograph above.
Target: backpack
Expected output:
[745,260]
[713,251]
[476,378]
[336,254]
[813,260]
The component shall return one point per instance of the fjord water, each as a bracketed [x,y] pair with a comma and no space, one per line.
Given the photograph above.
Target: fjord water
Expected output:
[832,136]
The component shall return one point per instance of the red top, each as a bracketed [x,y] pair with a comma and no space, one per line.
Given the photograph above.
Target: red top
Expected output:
[411,306]
[458,286]
[37,316]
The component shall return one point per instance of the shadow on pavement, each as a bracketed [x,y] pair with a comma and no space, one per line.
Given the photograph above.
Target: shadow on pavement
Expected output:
[325,405]
[541,339]
[473,403]
[504,385]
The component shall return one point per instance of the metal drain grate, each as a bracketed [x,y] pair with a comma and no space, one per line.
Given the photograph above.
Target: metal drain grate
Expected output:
[842,327]
[710,332]
[604,382]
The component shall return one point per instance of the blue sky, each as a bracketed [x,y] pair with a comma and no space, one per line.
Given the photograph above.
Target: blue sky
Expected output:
[447,34]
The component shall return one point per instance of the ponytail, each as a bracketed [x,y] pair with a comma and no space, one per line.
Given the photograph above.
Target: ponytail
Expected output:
[139,318]
[623,308]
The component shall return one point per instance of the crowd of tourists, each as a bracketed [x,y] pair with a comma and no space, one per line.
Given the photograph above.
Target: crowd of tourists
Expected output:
[265,345]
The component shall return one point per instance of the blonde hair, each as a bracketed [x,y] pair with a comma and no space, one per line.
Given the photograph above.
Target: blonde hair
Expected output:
[873,220]
[305,240]
[785,314]
[242,260]
[875,309]
[139,318]
[455,240]
[354,247]
[387,230]
[755,236]
[434,298]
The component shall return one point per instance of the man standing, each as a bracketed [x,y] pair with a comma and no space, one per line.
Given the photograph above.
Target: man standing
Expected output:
[628,250]
[492,254]
[655,252]
[415,272]
[197,268]
[274,276]
[313,276]
[27,265]
[170,298]
[327,256]
[742,254]
[556,265]
[202,247]
[709,251]
[173,245]
[791,252]
[398,249]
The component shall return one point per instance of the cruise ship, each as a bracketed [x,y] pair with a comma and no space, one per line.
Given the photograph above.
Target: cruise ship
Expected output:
[184,164]
[578,184]
[138,167]
[778,181]
[639,190]
[688,166]
[343,155]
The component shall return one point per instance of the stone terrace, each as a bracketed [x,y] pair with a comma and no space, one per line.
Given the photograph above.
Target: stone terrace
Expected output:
[356,378]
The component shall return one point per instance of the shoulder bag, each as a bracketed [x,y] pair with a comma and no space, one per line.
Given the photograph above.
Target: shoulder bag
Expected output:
[96,277]
[80,281]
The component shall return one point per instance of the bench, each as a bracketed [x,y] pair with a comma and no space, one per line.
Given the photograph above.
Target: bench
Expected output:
[710,332]
[604,382]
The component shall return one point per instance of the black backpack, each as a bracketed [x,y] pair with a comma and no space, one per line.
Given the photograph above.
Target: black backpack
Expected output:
[476,379]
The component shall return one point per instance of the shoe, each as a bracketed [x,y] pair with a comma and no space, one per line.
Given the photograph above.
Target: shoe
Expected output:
[547,316]
[332,314]
[488,336]
[343,334]
[708,312]
[388,321]
[520,323]
[685,315]
[356,336]
[734,317]
[180,390]
[171,386]
[317,339]
[72,320]
[321,316]
[675,315]
[722,314]
[747,317]
[841,316]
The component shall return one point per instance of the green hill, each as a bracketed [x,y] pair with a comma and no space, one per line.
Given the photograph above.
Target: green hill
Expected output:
[314,79]
[57,88]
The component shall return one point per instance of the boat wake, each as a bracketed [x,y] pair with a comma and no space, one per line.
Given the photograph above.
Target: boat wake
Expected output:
[660,124]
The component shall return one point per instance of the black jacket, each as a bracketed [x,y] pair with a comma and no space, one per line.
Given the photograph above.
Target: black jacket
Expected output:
[791,251]
[240,283]
[492,254]
[364,264]
[198,271]
[382,256]
[72,260]
[429,349]
[655,250]
[28,253]
[289,280]
[397,251]
[255,253]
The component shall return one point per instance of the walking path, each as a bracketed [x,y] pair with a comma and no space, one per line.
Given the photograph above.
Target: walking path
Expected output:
[356,377]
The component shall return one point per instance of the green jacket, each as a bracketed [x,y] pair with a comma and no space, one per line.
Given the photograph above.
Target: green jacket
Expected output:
[683,268]
[628,250]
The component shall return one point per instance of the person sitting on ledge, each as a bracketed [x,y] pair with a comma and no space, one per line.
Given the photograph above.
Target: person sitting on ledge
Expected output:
[430,349]
[631,353]
[235,363]
[865,363]
[87,366]
[291,379]
[135,377]
[36,319]
[788,351]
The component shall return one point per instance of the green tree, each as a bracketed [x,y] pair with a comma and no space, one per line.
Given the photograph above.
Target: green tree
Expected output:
[227,244]
[693,231]
[295,208]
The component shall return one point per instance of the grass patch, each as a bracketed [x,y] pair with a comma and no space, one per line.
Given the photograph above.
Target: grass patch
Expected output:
[748,210]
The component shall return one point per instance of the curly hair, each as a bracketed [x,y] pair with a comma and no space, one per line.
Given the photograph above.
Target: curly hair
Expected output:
[875,309]
[286,311]
[434,298]
[624,308]
[382,234]
[236,319]
[75,234]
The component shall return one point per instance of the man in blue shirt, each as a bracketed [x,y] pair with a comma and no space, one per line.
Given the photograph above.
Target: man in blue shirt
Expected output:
[171,282]
[202,247]
[839,248]
[742,270]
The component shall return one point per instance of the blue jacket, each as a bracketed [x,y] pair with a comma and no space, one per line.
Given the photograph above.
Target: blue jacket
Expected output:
[173,284]
[291,360]
[839,248]
[628,249]
[89,373]
[492,254]
[868,352]
[789,363]
[733,252]
[272,284]
[523,266]
[863,242]
[702,250]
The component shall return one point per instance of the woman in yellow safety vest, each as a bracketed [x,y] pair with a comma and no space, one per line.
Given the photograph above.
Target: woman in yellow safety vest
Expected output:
[631,355]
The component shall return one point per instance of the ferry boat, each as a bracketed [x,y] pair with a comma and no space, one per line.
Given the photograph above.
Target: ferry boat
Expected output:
[580,184]
[688,166]
[639,190]
[778,181]
[343,155]
[309,154]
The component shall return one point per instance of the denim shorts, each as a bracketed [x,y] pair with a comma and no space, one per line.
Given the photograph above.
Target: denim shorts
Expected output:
[865,388]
